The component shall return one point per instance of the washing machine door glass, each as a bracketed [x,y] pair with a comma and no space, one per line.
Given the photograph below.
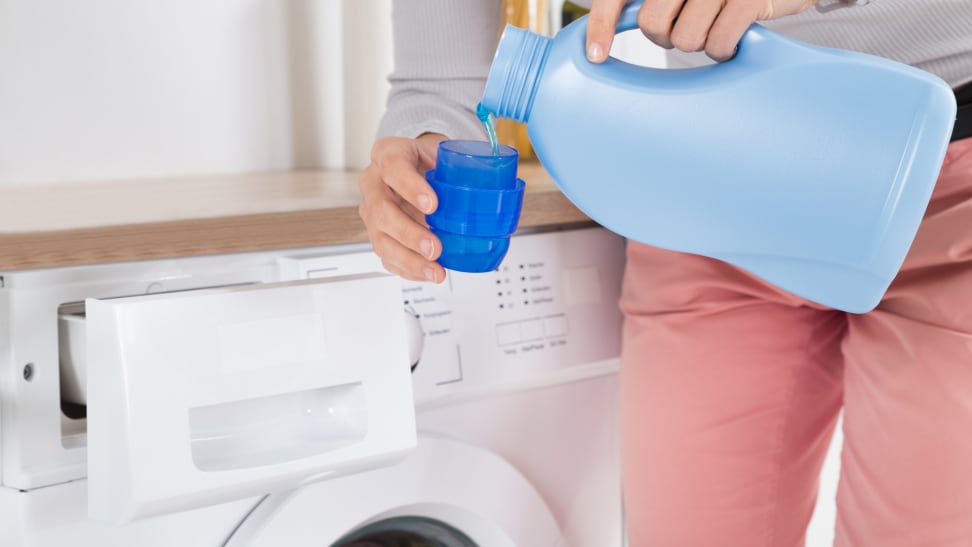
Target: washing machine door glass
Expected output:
[406,532]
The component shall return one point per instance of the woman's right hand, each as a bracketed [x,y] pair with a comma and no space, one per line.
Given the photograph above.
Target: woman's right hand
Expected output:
[715,26]
[395,198]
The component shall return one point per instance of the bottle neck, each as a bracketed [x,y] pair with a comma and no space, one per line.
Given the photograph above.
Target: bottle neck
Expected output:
[515,73]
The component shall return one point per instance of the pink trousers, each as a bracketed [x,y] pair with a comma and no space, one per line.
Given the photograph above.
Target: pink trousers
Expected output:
[731,389]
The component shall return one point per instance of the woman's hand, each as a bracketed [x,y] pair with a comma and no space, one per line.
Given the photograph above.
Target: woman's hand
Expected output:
[395,200]
[715,26]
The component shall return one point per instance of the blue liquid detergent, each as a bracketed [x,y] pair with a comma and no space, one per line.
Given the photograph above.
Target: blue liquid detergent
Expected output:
[806,166]
[484,117]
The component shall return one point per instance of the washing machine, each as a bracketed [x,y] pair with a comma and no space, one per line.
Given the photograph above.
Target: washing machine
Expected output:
[308,398]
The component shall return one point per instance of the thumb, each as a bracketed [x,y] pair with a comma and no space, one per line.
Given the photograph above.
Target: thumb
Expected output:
[428,149]
[601,24]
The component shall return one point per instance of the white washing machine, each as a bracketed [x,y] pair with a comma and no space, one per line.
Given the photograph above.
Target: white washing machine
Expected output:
[286,398]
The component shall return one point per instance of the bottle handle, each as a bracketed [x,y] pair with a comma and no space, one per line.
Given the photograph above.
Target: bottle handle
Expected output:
[629,17]
[750,45]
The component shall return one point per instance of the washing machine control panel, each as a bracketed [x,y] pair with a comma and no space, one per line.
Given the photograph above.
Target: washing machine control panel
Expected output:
[549,313]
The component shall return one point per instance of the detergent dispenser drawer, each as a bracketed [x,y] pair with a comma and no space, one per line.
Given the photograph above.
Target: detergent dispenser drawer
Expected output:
[206,396]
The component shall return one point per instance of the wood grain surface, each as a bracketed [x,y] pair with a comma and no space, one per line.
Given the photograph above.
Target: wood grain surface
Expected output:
[87,223]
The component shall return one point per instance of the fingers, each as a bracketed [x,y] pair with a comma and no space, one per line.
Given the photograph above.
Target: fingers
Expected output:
[401,261]
[402,176]
[395,199]
[657,20]
[715,26]
[728,29]
[691,29]
[406,247]
[398,162]
[601,24]
[428,147]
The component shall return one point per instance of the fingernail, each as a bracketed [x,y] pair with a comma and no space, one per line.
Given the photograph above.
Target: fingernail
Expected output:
[424,203]
[426,247]
[595,52]
[429,274]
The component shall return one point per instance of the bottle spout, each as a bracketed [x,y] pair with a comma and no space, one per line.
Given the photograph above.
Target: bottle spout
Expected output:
[515,73]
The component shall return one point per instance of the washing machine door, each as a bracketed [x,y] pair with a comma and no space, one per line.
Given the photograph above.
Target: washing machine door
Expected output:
[445,494]
[202,397]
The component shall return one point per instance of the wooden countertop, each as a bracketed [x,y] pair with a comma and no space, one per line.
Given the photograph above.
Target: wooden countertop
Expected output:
[43,226]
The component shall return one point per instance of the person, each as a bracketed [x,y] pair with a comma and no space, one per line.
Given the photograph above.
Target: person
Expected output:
[730,387]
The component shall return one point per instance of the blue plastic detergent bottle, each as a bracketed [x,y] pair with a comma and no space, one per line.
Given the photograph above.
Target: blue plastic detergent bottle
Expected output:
[806,166]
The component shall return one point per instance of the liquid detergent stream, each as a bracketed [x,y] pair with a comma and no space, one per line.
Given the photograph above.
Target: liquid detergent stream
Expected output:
[484,117]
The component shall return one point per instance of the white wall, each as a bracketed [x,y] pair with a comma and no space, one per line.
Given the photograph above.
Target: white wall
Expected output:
[632,46]
[105,89]
[820,533]
[341,55]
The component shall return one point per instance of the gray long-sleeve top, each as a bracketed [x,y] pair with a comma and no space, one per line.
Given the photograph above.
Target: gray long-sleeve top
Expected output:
[443,50]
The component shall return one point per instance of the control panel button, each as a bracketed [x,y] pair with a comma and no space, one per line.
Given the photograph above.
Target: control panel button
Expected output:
[555,325]
[508,333]
[531,329]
